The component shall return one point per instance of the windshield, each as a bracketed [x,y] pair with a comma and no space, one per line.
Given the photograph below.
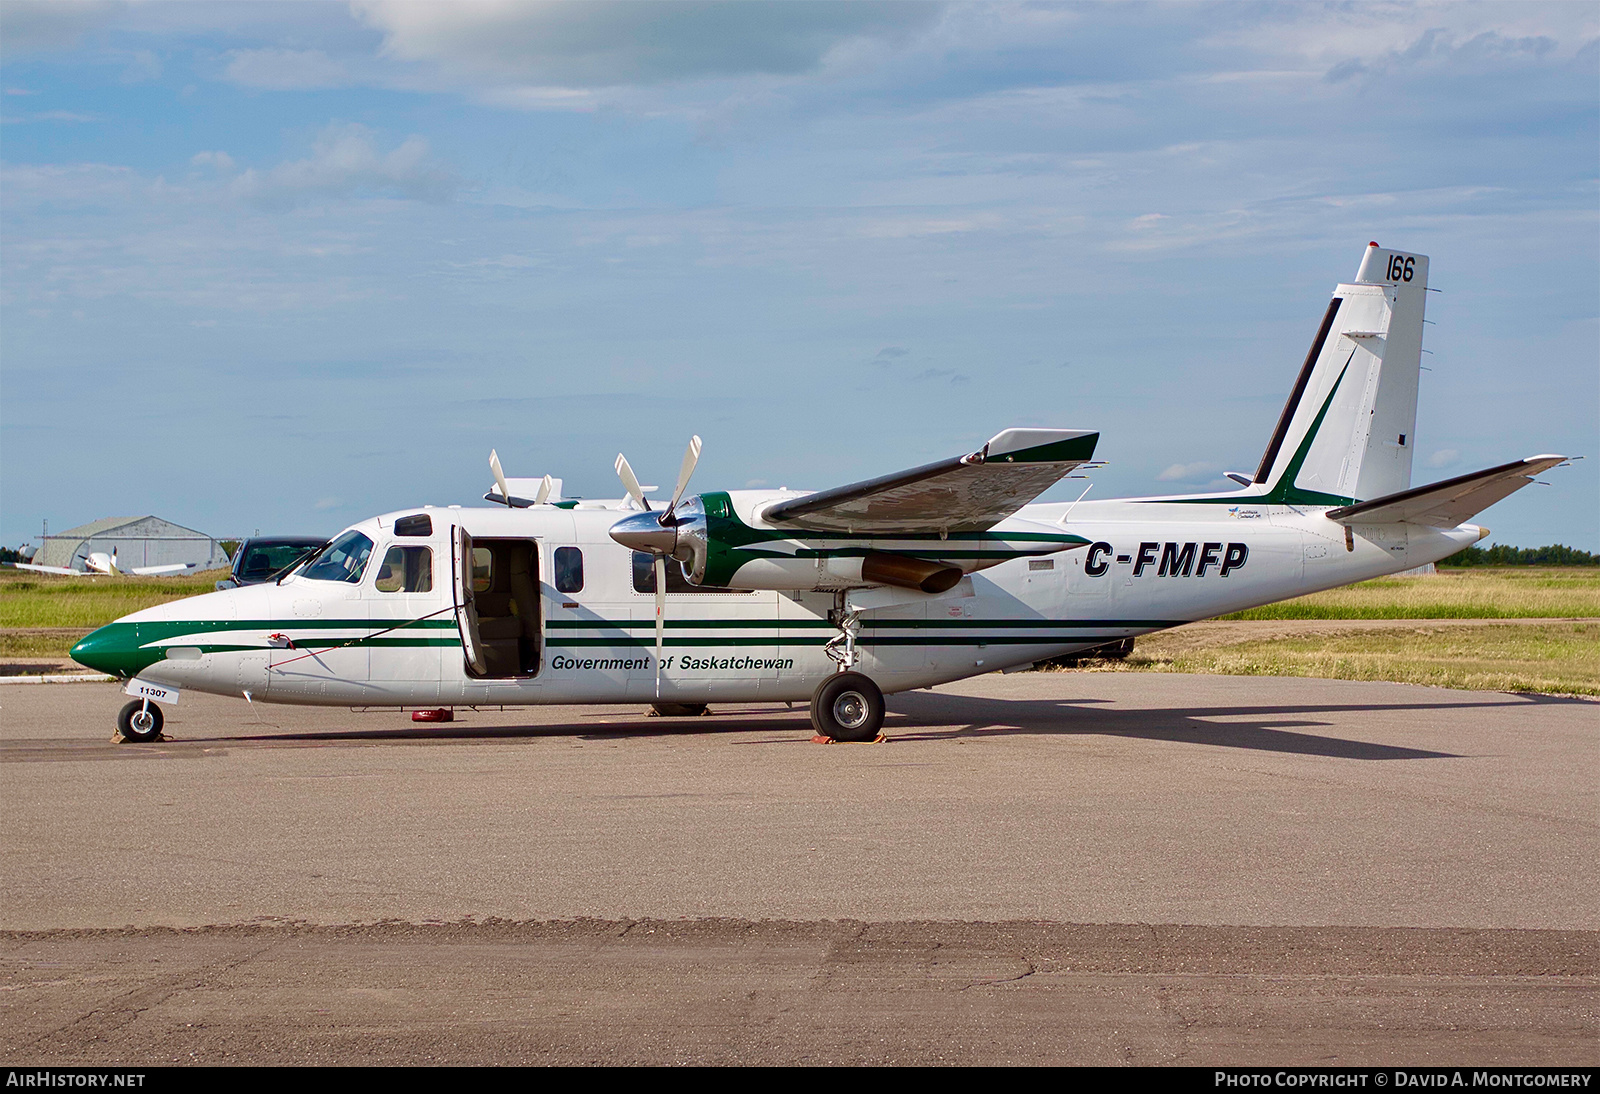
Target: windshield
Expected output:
[263,560]
[344,559]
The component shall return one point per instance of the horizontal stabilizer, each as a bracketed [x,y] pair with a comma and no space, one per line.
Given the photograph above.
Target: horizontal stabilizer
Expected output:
[961,494]
[1451,502]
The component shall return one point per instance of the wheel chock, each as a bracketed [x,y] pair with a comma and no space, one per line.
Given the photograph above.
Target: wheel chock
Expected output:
[439,715]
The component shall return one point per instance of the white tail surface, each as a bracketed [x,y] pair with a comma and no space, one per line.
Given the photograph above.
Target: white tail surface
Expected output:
[1348,429]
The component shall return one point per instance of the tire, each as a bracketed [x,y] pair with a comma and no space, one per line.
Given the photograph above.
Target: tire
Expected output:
[136,722]
[678,710]
[847,707]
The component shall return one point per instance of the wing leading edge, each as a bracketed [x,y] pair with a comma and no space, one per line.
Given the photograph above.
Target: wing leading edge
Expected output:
[968,493]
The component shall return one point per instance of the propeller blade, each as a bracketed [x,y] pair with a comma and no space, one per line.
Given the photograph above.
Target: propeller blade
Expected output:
[630,483]
[661,614]
[691,456]
[499,477]
[544,490]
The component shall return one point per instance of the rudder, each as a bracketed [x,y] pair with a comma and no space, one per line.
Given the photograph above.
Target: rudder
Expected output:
[1348,430]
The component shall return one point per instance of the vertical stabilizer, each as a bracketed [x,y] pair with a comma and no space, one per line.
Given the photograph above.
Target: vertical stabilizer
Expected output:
[1348,429]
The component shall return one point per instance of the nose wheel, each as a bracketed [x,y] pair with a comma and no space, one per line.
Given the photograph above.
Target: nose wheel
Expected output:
[140,720]
[847,707]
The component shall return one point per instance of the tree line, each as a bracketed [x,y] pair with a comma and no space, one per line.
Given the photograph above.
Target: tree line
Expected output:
[1500,554]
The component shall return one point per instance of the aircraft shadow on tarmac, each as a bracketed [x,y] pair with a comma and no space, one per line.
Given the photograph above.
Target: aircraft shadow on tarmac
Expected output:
[925,716]
[1267,731]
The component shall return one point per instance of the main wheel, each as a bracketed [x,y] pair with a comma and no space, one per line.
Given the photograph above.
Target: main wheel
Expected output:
[847,707]
[678,710]
[139,722]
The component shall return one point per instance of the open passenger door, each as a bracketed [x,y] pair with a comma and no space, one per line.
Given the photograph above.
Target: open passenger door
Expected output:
[466,611]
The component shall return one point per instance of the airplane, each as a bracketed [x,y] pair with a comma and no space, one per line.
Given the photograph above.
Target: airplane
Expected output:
[100,564]
[835,597]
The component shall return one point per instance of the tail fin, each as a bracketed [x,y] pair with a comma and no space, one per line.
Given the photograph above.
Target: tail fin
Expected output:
[1347,431]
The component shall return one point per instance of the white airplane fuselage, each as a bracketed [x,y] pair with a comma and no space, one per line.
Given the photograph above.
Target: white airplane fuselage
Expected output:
[1148,565]
[904,581]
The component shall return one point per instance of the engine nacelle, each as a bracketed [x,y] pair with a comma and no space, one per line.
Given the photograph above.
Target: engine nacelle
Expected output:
[832,572]
[721,541]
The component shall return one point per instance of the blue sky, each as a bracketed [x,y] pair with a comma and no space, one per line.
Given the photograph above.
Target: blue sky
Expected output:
[283,266]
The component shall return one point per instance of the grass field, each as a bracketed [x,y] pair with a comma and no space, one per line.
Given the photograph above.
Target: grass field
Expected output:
[1561,658]
[42,600]
[1498,592]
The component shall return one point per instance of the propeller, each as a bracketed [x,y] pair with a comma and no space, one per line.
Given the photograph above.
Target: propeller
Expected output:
[659,541]
[630,482]
[500,477]
[546,485]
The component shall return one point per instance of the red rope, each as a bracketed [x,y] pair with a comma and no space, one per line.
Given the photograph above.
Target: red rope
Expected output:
[363,638]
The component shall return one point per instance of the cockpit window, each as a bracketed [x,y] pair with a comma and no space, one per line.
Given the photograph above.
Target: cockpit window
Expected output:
[406,570]
[344,560]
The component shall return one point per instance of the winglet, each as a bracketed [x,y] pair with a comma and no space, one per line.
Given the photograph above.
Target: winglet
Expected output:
[1041,445]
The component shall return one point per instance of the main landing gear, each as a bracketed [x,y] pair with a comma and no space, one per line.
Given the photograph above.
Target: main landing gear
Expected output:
[140,720]
[847,707]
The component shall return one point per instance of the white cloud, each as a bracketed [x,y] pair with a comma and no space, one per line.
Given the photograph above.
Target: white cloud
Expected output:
[1188,472]
[1345,41]
[607,44]
[219,160]
[51,116]
[286,69]
[38,25]
[1445,457]
[345,160]
[142,65]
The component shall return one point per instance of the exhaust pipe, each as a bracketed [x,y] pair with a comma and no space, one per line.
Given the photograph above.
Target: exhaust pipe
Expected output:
[879,568]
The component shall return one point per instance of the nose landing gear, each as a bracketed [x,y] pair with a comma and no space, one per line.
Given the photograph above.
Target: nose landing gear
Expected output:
[140,721]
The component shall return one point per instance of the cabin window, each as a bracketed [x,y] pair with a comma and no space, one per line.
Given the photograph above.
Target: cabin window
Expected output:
[344,560]
[406,570]
[417,524]
[644,577]
[482,569]
[569,570]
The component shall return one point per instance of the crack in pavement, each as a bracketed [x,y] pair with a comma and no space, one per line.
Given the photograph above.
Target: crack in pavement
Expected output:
[156,993]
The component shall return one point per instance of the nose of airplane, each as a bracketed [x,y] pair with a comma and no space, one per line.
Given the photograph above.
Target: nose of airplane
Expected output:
[114,649]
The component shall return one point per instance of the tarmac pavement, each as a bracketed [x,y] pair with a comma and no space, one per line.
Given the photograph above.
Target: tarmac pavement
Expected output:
[1043,867]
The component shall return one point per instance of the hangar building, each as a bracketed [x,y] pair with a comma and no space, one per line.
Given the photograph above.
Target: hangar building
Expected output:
[139,541]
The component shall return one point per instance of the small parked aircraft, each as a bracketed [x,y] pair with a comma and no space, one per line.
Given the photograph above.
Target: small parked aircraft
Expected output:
[839,596]
[100,564]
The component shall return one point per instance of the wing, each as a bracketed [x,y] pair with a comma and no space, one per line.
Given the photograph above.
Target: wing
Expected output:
[968,493]
[152,571]
[62,570]
[1448,503]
